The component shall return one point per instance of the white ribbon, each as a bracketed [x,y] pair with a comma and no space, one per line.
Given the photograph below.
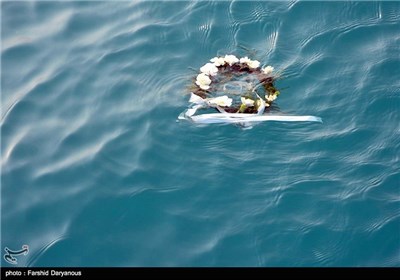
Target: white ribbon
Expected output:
[233,118]
[237,118]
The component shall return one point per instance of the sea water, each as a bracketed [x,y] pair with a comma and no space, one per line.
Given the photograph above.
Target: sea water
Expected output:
[97,171]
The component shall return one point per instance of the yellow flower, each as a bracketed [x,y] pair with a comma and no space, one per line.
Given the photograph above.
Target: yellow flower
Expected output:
[270,98]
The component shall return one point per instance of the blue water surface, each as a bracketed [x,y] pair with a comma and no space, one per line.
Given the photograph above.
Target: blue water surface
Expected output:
[96,170]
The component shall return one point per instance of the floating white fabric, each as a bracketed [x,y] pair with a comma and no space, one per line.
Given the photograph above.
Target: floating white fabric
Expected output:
[230,118]
[236,118]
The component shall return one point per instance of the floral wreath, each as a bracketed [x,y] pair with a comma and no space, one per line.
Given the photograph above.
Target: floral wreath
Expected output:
[236,85]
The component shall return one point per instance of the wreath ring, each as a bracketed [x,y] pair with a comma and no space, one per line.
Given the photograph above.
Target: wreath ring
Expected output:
[236,85]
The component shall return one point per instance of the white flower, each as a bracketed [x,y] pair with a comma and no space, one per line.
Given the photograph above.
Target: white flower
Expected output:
[231,59]
[218,61]
[223,101]
[268,70]
[249,62]
[248,102]
[209,69]
[203,81]
[195,99]
[245,60]
[254,64]
[270,98]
